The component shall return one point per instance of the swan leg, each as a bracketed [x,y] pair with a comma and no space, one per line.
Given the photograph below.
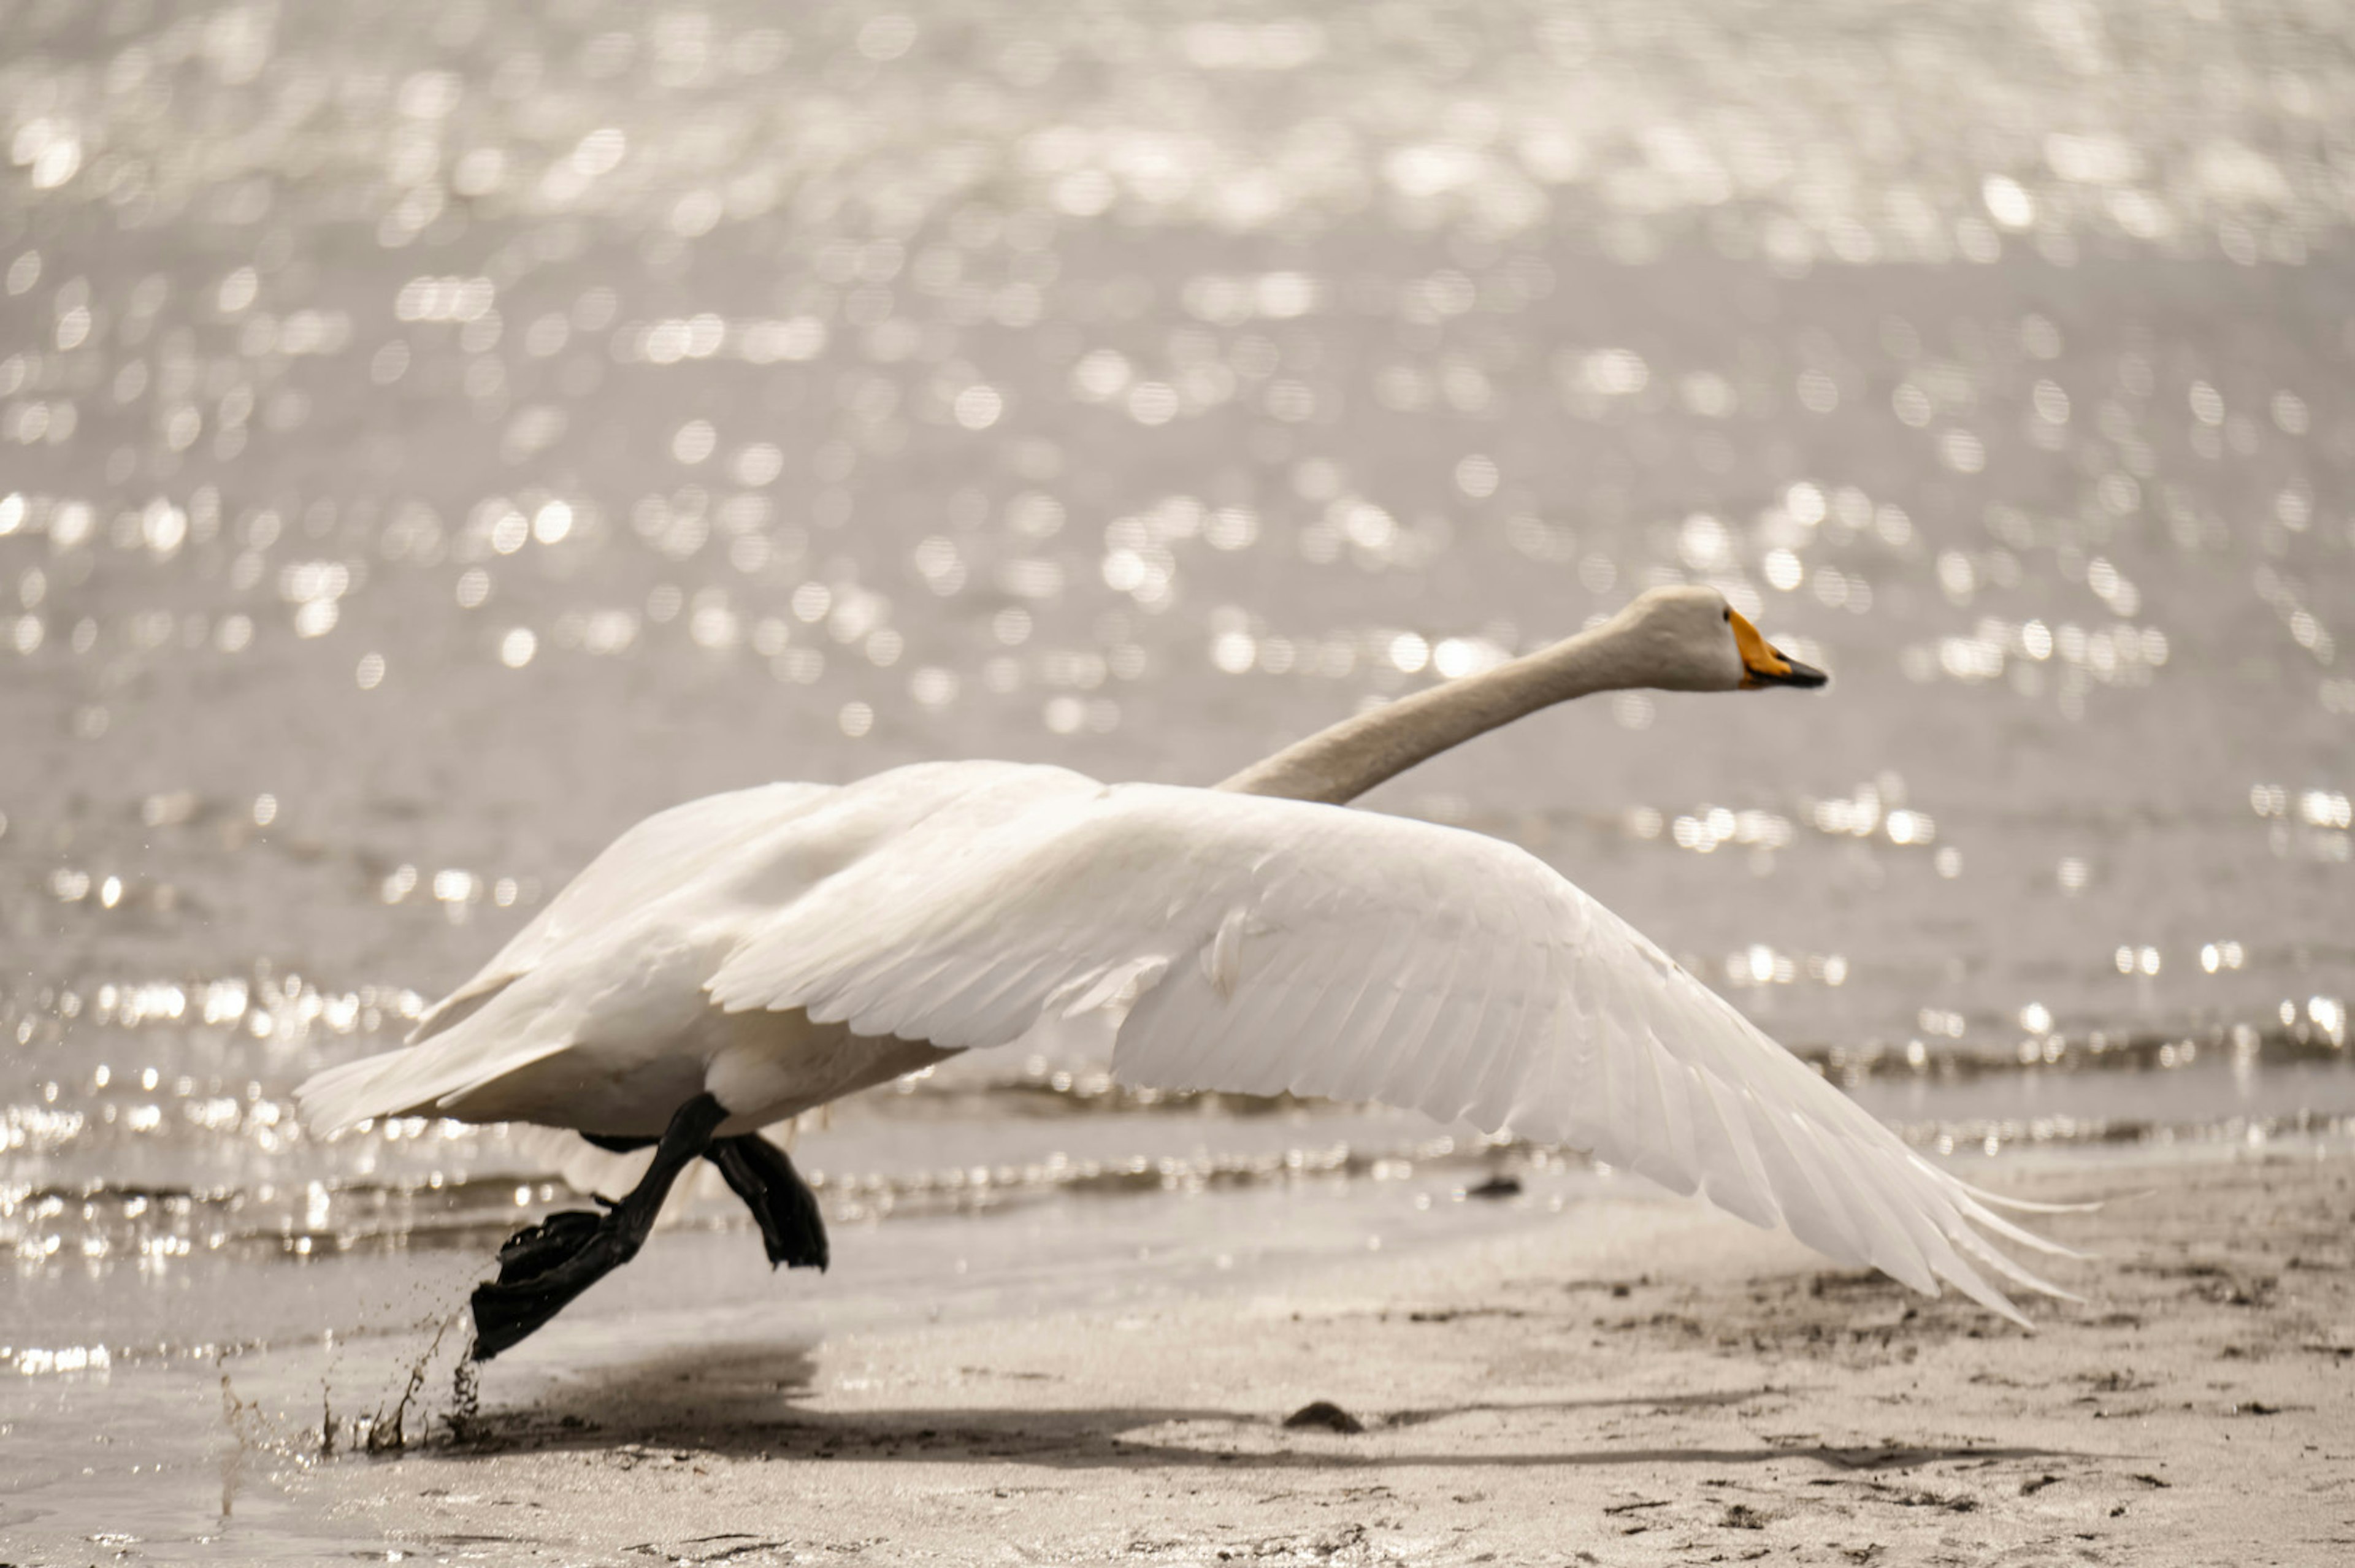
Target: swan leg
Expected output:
[544,1266]
[791,1228]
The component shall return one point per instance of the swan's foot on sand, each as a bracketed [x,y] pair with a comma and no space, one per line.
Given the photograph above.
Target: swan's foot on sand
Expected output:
[791,1228]
[544,1266]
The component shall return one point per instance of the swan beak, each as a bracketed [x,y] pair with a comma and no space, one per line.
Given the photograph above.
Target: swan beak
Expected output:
[1764,664]
[1792,672]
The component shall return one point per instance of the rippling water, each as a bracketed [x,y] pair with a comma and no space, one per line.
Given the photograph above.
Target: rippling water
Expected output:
[431,441]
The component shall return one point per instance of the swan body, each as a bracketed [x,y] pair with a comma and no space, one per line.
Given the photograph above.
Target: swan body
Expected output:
[779,948]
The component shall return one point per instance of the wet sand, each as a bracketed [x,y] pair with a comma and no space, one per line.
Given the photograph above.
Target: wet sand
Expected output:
[1643,1383]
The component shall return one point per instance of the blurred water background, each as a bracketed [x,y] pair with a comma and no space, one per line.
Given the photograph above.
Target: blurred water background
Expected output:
[434,437]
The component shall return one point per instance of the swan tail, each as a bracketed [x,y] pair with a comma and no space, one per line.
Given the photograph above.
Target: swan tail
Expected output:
[412,1082]
[342,1096]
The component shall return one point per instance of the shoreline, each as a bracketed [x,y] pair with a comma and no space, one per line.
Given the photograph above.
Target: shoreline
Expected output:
[1636,1381]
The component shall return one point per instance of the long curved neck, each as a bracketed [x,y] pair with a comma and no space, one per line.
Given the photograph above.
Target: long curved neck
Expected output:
[1341,763]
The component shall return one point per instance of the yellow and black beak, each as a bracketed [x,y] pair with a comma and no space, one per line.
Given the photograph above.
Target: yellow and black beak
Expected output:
[1764,664]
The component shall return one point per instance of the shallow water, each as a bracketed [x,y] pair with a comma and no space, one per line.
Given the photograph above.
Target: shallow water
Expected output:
[428,443]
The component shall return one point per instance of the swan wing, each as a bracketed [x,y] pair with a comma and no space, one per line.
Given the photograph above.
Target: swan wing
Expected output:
[667,851]
[617,961]
[1261,945]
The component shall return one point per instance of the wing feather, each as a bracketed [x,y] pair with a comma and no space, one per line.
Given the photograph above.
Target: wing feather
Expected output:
[1810,1214]
[1888,1246]
[1734,1176]
[1285,985]
[1307,998]
[1489,1093]
[1444,1069]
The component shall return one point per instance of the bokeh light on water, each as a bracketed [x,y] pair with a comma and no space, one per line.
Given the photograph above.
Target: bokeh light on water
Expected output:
[432,439]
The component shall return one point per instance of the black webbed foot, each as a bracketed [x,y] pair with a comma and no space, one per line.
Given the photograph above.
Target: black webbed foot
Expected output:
[536,1249]
[792,1229]
[544,1266]
[584,1251]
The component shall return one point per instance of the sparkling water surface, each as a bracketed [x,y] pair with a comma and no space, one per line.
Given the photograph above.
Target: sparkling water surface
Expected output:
[434,437]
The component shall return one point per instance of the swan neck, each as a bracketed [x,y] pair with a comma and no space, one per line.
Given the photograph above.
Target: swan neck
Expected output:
[1342,763]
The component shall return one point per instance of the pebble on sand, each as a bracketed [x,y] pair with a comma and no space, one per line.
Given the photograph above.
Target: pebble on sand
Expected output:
[1323,1413]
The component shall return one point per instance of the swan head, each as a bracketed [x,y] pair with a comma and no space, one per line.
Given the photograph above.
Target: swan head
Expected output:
[1690,639]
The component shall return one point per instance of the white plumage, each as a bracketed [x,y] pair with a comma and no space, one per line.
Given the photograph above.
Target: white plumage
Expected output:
[779,948]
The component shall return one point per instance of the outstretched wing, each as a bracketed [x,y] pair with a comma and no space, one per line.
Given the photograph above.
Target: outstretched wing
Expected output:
[622,954]
[1263,945]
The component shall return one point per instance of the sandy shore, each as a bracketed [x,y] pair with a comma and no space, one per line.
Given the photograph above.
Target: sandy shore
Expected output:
[1643,1382]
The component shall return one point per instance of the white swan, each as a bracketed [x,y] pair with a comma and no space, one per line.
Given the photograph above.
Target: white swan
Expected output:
[743,958]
